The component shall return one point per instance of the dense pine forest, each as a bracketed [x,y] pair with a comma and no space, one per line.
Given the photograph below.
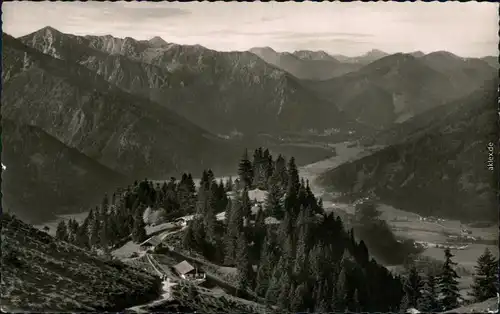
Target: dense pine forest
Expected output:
[307,259]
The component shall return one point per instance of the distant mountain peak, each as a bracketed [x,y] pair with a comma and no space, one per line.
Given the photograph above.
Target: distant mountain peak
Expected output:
[443,53]
[48,29]
[262,49]
[417,54]
[376,53]
[313,55]
[157,41]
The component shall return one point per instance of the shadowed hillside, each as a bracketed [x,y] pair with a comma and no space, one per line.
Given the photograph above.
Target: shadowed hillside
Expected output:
[442,171]
[126,133]
[398,87]
[46,177]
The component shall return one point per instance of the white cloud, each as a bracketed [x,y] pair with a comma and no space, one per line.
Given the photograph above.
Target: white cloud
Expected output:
[468,29]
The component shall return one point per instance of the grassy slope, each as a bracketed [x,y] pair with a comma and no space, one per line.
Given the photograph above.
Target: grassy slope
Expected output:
[45,274]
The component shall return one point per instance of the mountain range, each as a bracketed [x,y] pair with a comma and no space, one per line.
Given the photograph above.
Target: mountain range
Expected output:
[439,166]
[149,108]
[369,57]
[310,65]
[126,133]
[222,92]
[400,86]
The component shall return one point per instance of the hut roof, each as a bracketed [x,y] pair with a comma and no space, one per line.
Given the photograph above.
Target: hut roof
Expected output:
[183,267]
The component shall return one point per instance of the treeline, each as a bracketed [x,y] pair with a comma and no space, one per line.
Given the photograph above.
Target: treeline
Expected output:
[307,261]
[440,292]
[121,218]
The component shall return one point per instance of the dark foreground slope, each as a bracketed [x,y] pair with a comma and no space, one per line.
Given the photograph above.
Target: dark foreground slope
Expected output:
[42,274]
[45,177]
[126,133]
[442,171]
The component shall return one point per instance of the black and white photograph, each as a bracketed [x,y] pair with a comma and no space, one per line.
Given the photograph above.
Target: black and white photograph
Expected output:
[250,157]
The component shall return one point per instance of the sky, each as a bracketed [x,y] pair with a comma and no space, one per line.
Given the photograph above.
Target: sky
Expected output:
[467,29]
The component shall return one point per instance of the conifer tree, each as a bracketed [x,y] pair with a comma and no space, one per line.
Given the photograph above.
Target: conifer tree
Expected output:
[237,185]
[341,291]
[412,286]
[273,204]
[139,229]
[234,228]
[103,234]
[485,284]
[292,204]
[188,241]
[199,234]
[229,184]
[105,205]
[259,231]
[302,246]
[245,171]
[323,302]
[62,231]
[94,232]
[404,306]
[273,288]
[227,213]
[269,167]
[186,195]
[209,217]
[246,204]
[355,304]
[73,230]
[244,266]
[113,228]
[298,298]
[265,268]
[429,301]
[280,173]
[258,167]
[210,178]
[285,288]
[448,283]
[293,177]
